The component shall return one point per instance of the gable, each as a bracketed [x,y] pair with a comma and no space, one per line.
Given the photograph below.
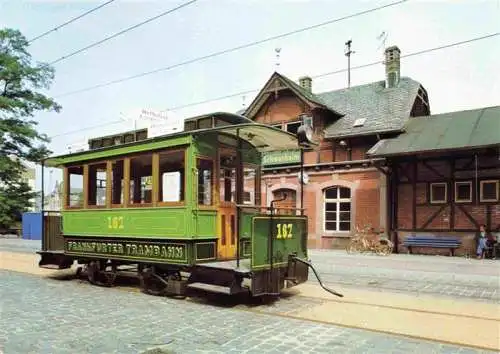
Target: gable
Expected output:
[285,106]
[275,86]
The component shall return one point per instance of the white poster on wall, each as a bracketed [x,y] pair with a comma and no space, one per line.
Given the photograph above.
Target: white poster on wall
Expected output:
[171,182]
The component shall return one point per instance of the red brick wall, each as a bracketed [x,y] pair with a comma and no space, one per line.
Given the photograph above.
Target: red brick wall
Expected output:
[368,201]
[366,196]
[365,201]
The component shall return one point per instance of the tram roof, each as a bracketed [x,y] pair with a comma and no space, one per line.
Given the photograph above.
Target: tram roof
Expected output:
[263,137]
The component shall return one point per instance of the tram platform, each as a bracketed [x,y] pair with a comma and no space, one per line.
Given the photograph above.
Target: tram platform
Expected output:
[447,320]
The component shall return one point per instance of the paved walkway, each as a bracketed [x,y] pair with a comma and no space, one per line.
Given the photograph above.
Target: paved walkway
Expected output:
[41,315]
[417,274]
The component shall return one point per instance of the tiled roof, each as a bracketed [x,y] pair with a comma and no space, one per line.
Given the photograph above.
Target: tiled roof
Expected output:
[454,130]
[308,95]
[383,109]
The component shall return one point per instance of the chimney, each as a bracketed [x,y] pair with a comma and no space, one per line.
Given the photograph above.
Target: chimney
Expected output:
[392,66]
[306,83]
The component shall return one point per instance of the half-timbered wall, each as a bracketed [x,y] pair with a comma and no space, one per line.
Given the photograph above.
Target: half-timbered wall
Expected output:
[446,196]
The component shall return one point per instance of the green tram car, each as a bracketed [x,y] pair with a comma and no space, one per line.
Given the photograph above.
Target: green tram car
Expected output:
[182,209]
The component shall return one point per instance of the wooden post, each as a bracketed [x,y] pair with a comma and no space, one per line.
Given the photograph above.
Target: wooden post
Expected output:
[414,187]
[155,178]
[452,193]
[109,183]
[126,181]
[395,199]
[66,191]
[44,242]
[85,186]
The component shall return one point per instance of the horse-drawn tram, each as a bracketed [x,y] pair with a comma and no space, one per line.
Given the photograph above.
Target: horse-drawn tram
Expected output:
[183,209]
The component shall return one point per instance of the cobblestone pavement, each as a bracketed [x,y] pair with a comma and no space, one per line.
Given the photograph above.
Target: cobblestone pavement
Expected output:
[12,244]
[434,275]
[53,316]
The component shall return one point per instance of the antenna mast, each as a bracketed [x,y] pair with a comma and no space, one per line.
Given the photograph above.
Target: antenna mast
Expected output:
[348,52]
[382,37]
[277,50]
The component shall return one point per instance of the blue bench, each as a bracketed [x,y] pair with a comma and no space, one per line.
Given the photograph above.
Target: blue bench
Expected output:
[432,241]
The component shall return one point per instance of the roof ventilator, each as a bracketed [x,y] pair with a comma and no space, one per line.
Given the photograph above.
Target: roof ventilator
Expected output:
[359,122]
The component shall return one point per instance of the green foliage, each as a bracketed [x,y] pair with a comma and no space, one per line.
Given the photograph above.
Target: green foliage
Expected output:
[13,202]
[20,82]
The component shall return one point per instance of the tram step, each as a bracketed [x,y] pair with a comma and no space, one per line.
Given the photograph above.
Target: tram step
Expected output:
[211,288]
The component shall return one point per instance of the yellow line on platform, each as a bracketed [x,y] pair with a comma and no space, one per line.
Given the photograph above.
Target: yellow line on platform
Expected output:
[409,302]
[377,330]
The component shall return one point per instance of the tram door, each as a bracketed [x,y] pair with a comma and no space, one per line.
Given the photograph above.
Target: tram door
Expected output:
[227,204]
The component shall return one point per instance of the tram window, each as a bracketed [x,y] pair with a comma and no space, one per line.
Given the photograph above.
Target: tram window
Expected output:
[247,197]
[205,123]
[74,190]
[117,182]
[249,185]
[171,186]
[97,184]
[227,177]
[205,181]
[141,186]
[227,180]
[293,127]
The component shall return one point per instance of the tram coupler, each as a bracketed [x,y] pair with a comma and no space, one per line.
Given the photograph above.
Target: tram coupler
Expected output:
[296,259]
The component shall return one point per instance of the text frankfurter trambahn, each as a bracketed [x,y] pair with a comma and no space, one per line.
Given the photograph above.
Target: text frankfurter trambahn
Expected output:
[166,251]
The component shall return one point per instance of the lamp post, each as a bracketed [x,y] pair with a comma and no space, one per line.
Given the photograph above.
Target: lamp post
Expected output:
[304,135]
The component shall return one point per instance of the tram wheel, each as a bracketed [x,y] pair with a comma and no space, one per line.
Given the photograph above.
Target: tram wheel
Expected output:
[97,274]
[152,283]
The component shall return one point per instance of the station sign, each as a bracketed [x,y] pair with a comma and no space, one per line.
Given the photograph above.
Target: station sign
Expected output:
[281,157]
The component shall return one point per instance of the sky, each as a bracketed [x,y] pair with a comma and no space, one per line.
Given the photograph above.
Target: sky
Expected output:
[457,78]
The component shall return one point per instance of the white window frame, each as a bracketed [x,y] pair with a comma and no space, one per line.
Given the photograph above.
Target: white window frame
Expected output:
[445,193]
[294,122]
[469,183]
[481,190]
[337,201]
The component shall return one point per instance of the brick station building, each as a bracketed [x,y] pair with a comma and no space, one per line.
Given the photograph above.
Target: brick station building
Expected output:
[344,188]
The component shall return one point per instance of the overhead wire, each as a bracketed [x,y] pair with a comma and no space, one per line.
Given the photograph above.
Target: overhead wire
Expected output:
[230,50]
[69,21]
[128,29]
[420,52]
[344,70]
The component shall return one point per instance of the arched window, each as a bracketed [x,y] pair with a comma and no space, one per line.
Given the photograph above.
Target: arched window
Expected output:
[337,207]
[288,203]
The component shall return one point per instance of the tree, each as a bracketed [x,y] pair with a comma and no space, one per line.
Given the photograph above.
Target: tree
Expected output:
[21,79]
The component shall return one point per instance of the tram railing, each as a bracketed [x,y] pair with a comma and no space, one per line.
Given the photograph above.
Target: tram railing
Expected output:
[267,210]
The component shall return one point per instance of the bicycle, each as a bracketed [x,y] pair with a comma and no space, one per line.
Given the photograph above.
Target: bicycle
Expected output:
[367,240]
